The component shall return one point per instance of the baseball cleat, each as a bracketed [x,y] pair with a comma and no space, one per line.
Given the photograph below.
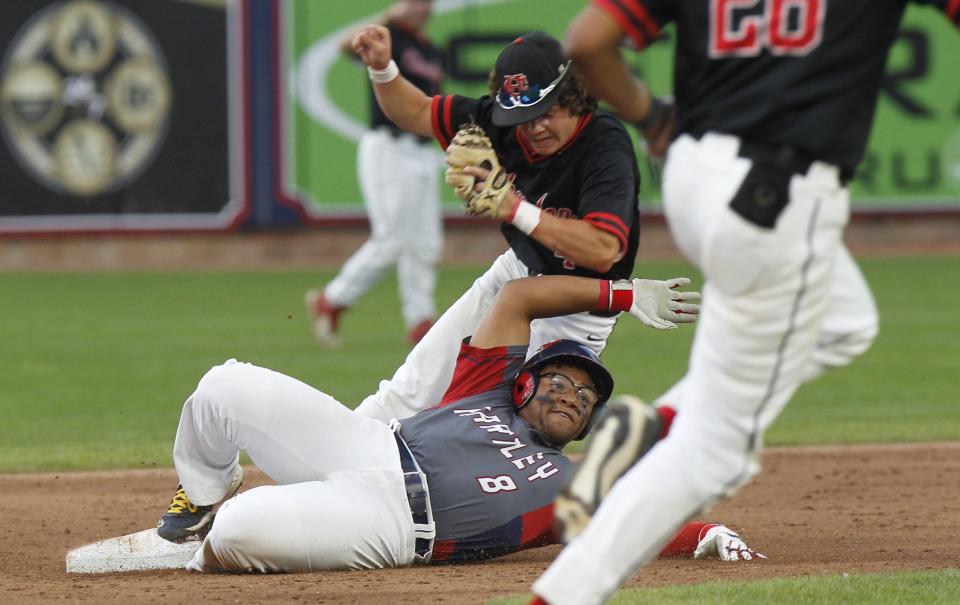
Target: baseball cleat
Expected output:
[625,433]
[324,317]
[184,519]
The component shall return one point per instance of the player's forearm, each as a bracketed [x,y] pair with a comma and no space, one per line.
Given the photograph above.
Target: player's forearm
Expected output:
[579,242]
[520,301]
[405,105]
[592,43]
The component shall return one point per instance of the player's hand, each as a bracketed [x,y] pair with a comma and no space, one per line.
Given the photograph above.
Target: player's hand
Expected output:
[721,541]
[372,44]
[659,304]
[479,174]
[659,134]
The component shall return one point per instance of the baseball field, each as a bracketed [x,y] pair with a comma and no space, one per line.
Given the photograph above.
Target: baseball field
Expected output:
[857,502]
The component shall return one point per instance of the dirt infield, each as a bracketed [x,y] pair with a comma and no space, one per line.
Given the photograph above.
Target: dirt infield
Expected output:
[814,511]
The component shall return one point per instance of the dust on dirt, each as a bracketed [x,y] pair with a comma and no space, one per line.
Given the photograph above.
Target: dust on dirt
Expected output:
[813,511]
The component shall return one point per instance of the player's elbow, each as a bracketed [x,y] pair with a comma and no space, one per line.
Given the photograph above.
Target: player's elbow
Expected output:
[603,265]
[411,115]
[603,253]
[595,260]
[514,297]
[580,48]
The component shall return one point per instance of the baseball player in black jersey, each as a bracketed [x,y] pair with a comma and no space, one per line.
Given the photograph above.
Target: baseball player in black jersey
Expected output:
[472,477]
[398,178]
[774,103]
[573,209]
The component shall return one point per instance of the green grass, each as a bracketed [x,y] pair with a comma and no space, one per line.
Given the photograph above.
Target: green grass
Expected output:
[902,588]
[95,367]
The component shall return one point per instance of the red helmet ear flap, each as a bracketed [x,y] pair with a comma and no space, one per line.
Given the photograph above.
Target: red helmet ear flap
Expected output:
[524,387]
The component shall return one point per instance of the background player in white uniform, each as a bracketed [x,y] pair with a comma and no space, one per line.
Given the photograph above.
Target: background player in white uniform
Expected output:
[472,477]
[398,178]
[774,105]
[575,162]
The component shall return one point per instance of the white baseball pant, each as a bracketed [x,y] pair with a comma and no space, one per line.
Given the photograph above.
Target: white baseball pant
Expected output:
[426,373]
[766,295]
[341,502]
[849,327]
[398,179]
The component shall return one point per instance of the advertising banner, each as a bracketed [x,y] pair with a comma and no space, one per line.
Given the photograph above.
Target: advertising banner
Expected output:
[115,116]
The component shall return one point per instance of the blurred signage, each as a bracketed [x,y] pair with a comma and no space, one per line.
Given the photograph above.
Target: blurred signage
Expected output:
[114,116]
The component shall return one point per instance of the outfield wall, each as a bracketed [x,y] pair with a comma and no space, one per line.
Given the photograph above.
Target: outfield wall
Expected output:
[208,115]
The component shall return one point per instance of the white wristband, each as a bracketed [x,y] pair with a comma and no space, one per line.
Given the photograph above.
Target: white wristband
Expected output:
[387,74]
[525,217]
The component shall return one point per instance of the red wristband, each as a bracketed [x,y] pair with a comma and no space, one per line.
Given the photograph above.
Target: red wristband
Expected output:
[615,296]
[621,295]
[603,302]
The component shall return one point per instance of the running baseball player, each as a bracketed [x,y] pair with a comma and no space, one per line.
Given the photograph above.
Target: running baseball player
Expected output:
[471,478]
[774,104]
[571,208]
[398,178]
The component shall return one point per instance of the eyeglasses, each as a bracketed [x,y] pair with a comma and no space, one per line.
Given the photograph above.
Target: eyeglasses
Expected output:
[532,95]
[561,383]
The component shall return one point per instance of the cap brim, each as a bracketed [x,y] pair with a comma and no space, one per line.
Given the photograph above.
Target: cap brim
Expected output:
[519,115]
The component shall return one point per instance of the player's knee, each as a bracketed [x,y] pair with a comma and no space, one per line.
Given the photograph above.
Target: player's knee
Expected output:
[836,350]
[221,383]
[388,245]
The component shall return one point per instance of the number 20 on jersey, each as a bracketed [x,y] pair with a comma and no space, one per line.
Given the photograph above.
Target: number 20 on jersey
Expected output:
[746,28]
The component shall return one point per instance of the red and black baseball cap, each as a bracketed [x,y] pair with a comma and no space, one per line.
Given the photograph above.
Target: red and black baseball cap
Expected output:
[528,73]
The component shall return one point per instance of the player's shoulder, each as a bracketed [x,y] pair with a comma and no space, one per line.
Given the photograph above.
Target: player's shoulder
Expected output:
[605,131]
[605,124]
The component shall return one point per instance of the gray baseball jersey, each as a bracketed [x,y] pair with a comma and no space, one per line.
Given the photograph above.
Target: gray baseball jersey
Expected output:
[492,478]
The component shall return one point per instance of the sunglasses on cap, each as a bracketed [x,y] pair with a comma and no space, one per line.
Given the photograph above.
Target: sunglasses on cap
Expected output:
[533,95]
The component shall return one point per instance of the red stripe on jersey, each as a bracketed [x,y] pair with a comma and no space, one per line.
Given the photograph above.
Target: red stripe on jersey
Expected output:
[447,109]
[537,527]
[639,12]
[477,371]
[528,153]
[632,25]
[610,218]
[532,156]
[609,223]
[435,121]
[953,11]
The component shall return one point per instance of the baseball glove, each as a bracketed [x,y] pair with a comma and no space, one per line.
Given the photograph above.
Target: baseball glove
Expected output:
[472,147]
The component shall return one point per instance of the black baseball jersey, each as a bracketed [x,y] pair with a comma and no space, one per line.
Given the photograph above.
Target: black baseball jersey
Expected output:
[799,73]
[492,479]
[594,178]
[419,62]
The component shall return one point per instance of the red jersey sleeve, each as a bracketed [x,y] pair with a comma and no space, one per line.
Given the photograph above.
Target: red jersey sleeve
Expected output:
[480,370]
[684,544]
[448,113]
[640,20]
[951,9]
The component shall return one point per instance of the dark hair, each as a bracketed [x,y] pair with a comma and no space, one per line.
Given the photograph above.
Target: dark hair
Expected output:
[573,95]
